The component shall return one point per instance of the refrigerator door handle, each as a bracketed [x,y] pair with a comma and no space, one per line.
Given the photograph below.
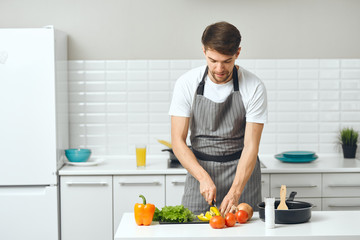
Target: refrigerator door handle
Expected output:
[22,190]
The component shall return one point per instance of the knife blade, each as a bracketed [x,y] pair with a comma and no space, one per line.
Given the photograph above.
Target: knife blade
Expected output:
[213,203]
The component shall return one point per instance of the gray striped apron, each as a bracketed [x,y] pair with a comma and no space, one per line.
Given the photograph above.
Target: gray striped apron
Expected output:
[217,139]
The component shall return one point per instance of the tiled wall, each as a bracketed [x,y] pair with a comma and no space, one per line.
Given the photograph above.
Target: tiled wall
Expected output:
[116,104]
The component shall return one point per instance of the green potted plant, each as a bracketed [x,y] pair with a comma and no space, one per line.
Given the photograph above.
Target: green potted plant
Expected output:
[348,138]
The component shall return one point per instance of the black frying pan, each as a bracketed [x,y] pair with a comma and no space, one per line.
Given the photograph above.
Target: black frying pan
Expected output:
[298,211]
[172,156]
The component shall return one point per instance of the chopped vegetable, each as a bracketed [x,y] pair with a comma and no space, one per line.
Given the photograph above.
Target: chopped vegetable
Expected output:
[204,218]
[215,210]
[209,215]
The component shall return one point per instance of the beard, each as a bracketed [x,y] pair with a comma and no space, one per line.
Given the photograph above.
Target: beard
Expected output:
[226,76]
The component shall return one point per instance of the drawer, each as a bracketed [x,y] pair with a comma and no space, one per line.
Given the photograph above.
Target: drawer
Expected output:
[174,189]
[341,204]
[126,191]
[306,185]
[341,185]
[265,185]
[317,202]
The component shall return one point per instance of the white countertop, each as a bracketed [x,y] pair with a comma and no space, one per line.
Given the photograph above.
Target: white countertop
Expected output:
[125,165]
[322,225]
[325,163]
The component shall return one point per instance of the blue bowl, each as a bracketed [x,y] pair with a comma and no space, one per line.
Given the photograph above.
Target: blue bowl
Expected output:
[78,154]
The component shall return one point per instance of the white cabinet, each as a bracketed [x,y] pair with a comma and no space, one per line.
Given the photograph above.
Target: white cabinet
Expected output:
[86,207]
[265,185]
[341,191]
[341,185]
[128,188]
[92,206]
[341,204]
[306,185]
[174,189]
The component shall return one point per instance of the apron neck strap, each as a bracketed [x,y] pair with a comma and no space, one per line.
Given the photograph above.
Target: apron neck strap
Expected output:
[200,89]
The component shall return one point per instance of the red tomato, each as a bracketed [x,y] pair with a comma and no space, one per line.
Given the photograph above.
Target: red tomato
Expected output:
[217,222]
[247,208]
[241,216]
[230,219]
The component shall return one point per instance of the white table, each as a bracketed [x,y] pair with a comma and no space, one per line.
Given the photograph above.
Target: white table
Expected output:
[322,225]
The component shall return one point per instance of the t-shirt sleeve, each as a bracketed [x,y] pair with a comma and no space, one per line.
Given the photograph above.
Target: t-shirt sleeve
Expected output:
[257,107]
[181,99]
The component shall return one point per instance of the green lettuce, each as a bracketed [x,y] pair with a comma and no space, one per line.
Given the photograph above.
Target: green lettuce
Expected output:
[177,213]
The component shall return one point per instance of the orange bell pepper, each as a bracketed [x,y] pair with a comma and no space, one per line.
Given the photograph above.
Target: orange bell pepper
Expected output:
[144,213]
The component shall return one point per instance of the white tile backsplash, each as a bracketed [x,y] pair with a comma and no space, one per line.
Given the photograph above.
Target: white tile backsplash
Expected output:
[287,63]
[115,104]
[134,86]
[350,74]
[265,64]
[329,74]
[330,63]
[287,74]
[116,65]
[350,63]
[308,63]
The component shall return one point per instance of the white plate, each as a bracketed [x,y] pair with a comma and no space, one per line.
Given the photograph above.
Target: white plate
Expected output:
[90,162]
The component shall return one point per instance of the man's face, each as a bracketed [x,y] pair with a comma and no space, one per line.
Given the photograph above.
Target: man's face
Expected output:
[220,65]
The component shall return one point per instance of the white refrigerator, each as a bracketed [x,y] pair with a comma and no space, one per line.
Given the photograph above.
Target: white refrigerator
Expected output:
[34,131]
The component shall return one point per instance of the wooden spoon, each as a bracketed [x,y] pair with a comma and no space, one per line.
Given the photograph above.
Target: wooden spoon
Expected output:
[166,143]
[282,204]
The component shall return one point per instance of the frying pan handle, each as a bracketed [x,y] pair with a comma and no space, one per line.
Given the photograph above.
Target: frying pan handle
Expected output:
[167,149]
[292,196]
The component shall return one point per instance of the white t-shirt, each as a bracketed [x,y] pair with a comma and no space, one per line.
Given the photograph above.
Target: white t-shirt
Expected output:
[251,88]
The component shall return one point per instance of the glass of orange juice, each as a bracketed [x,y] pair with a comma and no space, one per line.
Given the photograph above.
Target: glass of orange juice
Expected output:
[140,155]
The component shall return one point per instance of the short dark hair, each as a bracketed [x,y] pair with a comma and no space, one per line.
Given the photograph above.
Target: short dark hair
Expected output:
[222,37]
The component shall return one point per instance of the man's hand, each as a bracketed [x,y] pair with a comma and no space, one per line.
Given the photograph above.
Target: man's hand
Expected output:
[208,190]
[230,200]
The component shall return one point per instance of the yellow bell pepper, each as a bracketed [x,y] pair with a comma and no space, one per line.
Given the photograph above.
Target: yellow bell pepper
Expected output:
[209,214]
[203,217]
[215,210]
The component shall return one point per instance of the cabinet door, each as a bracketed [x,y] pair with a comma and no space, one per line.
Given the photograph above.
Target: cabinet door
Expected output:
[128,188]
[341,185]
[265,185]
[341,204]
[174,189]
[86,207]
[306,185]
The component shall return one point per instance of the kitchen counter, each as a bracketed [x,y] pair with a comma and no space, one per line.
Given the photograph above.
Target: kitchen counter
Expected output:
[322,225]
[125,165]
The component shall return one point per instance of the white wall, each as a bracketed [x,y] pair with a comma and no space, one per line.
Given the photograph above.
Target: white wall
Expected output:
[116,104]
[126,55]
[171,29]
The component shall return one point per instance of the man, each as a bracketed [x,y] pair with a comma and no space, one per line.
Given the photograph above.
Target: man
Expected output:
[225,107]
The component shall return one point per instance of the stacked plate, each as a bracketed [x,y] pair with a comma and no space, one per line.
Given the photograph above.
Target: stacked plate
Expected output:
[296,156]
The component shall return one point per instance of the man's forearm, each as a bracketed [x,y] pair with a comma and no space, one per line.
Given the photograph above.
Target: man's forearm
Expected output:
[244,169]
[188,160]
